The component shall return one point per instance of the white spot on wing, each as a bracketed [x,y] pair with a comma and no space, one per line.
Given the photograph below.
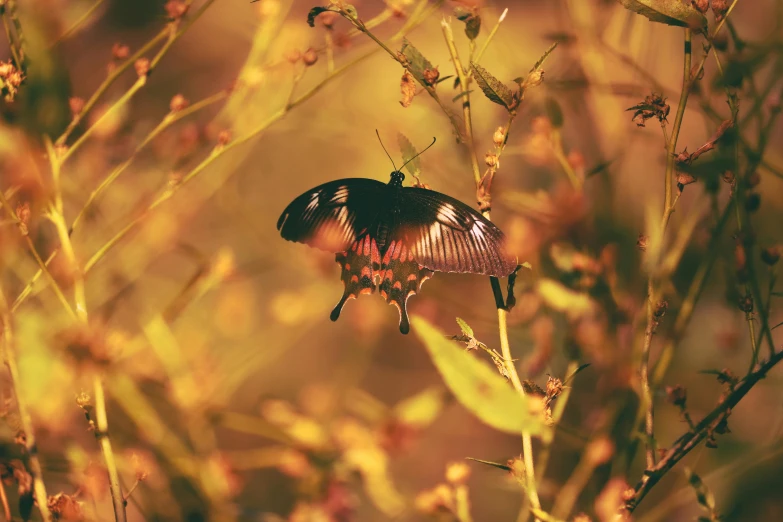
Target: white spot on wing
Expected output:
[340,197]
[447,214]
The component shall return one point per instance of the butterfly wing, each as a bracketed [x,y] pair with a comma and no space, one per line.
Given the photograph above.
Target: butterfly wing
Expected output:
[401,276]
[446,235]
[334,215]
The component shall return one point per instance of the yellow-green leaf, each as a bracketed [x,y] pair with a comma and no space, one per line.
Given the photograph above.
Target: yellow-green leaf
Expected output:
[493,88]
[421,409]
[563,299]
[465,327]
[477,386]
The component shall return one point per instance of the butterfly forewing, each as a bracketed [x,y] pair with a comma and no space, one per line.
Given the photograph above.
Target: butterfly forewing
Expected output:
[334,215]
[445,235]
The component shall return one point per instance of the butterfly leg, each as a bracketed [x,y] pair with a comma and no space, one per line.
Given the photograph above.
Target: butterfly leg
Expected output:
[401,278]
[358,267]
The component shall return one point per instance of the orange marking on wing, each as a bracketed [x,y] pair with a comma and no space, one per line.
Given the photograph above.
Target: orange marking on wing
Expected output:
[375,256]
[388,275]
[397,285]
[351,296]
[384,294]
[412,277]
[410,255]
[403,253]
[366,271]
[347,266]
[365,291]
[354,278]
[366,246]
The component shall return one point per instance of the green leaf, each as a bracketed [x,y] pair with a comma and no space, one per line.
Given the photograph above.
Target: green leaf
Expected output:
[704,496]
[409,152]
[563,299]
[554,112]
[421,409]
[417,63]
[493,88]
[543,58]
[669,12]
[476,386]
[571,377]
[466,329]
[472,27]
[599,168]
[314,12]
[490,463]
[460,95]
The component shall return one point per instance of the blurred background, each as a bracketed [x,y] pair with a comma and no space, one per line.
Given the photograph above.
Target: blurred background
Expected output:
[230,393]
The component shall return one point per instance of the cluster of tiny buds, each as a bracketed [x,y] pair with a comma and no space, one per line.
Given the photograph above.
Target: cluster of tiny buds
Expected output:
[176,9]
[142,66]
[178,103]
[492,161]
[499,137]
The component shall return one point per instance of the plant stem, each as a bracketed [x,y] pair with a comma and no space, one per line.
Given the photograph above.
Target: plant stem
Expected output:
[39,487]
[75,26]
[80,299]
[557,414]
[691,439]
[490,36]
[668,209]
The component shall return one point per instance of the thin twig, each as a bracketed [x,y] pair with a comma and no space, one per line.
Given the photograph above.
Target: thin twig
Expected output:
[9,341]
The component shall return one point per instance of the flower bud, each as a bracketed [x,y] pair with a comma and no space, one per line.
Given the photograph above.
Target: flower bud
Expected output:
[142,66]
[499,137]
[178,103]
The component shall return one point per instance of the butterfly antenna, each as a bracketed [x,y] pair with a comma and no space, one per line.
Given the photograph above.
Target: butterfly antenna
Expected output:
[419,154]
[386,151]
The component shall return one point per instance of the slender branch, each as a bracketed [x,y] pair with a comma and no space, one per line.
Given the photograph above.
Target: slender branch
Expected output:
[693,437]
[24,413]
[80,299]
[490,36]
[78,23]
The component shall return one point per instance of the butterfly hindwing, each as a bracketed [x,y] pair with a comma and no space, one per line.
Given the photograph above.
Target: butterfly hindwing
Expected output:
[401,276]
[332,216]
[360,265]
[445,235]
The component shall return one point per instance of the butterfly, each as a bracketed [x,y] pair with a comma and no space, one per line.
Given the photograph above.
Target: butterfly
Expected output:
[393,238]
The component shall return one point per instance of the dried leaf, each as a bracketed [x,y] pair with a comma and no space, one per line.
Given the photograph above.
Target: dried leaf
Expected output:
[407,88]
[669,12]
[476,386]
[408,152]
[493,88]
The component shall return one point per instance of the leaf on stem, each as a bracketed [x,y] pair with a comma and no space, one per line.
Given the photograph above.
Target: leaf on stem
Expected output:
[669,12]
[477,387]
[493,88]
[490,463]
[409,155]
[416,63]
[314,12]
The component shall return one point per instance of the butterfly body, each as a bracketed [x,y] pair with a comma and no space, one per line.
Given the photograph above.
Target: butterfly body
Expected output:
[392,238]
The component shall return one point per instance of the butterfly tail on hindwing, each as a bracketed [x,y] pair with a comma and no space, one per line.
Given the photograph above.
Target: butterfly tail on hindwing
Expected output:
[401,277]
[359,268]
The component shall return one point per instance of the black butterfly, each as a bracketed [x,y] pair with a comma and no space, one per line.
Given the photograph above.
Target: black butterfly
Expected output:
[394,237]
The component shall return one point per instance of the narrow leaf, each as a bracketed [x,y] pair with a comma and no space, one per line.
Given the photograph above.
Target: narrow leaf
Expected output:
[563,299]
[669,12]
[493,88]
[490,463]
[461,95]
[476,386]
[408,152]
[570,377]
[466,329]
[543,58]
[554,112]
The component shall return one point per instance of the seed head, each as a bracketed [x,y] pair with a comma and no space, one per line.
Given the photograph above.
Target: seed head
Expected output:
[178,103]
[310,57]
[120,51]
[142,67]
[176,9]
[499,137]
[431,76]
